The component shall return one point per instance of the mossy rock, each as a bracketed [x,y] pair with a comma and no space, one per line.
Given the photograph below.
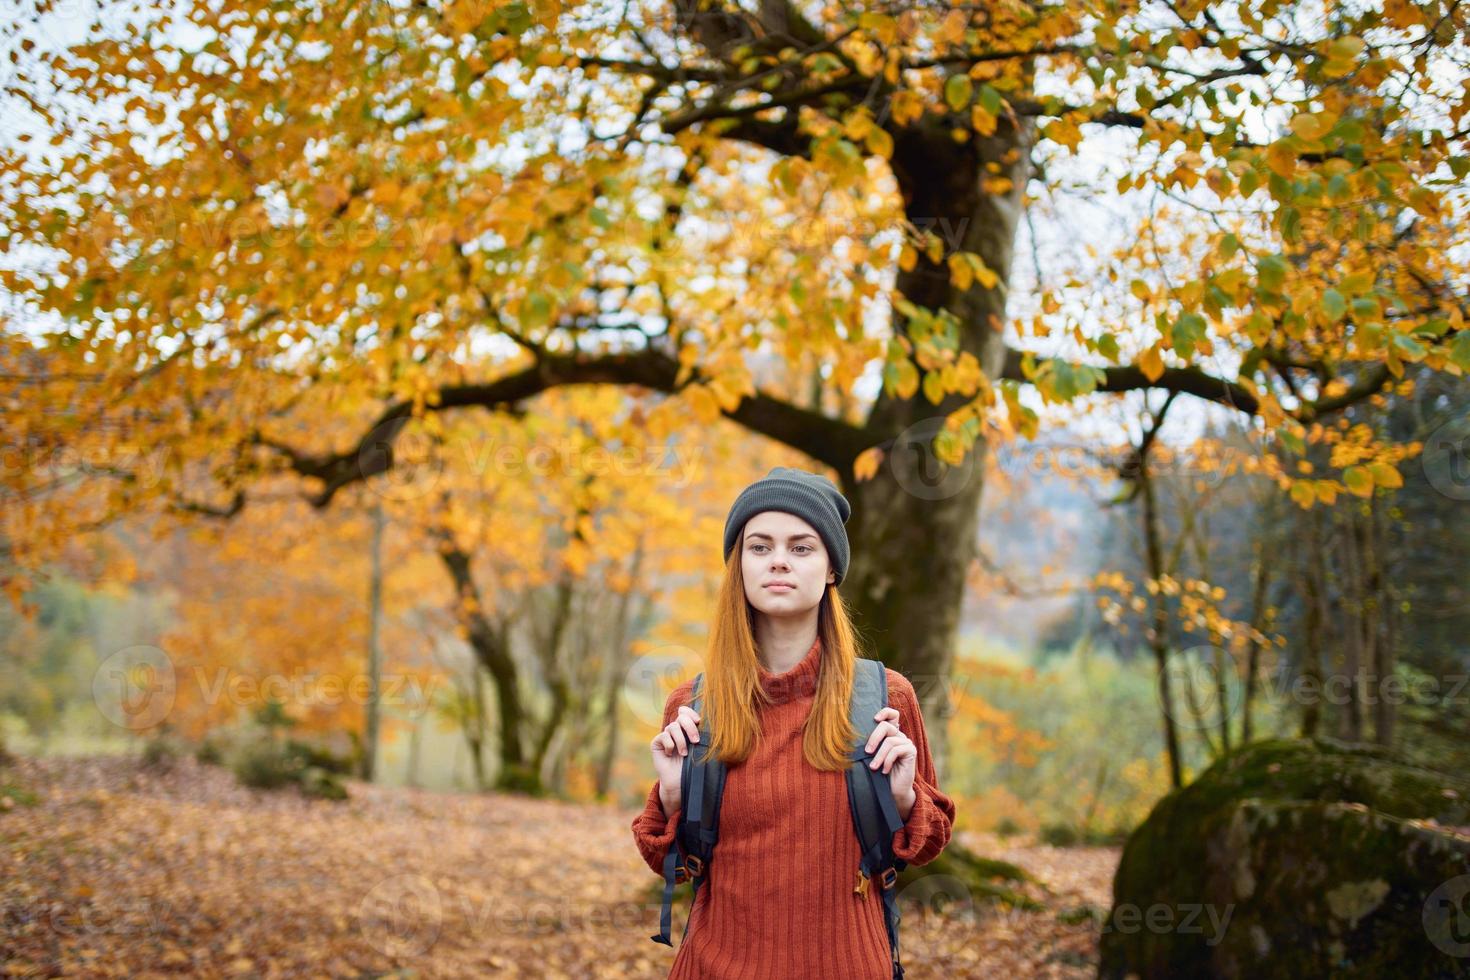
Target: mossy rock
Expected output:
[960,875]
[1297,858]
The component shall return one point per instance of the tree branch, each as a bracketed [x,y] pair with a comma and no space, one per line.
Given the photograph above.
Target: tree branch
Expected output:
[829,440]
[1187,380]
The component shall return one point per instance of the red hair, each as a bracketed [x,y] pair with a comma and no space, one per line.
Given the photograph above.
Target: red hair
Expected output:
[732,690]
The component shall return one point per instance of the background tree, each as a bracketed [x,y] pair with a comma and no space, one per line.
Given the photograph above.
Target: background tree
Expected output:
[252,223]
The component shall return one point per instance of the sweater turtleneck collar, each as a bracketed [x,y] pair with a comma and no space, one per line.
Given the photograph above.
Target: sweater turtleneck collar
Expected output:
[796,682]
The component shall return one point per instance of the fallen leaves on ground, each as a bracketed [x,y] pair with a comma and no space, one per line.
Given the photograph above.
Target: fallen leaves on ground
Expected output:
[123,871]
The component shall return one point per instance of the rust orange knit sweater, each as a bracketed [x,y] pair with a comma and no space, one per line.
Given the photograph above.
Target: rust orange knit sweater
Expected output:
[779,901]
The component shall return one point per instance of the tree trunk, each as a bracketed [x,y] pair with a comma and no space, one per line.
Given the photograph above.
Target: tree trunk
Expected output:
[491,644]
[373,708]
[1260,589]
[1311,667]
[555,674]
[476,734]
[1159,631]
[1355,625]
[913,526]
[411,777]
[1380,641]
[906,592]
[627,626]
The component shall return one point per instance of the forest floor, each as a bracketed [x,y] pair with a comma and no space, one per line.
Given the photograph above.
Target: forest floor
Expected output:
[119,871]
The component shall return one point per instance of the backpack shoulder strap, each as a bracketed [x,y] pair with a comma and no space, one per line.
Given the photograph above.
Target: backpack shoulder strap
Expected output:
[701,787]
[870,796]
[870,799]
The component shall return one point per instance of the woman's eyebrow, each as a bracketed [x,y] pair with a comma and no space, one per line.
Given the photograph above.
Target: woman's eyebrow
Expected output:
[794,537]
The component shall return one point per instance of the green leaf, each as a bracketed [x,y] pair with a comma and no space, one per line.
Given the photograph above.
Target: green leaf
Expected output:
[957,90]
[1187,332]
[1460,350]
[1411,347]
[1292,441]
[535,310]
[1334,305]
[990,100]
[1358,480]
[933,387]
[1271,271]
[1290,220]
[1365,308]
[513,19]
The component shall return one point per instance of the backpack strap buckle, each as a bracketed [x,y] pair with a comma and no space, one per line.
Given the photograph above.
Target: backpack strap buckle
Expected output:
[888,877]
[694,866]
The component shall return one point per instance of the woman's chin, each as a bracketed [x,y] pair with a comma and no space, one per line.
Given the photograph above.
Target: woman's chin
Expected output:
[782,604]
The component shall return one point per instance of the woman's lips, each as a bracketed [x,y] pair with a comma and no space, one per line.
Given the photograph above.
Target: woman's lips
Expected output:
[781,588]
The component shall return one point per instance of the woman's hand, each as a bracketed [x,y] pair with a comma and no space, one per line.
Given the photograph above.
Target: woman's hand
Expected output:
[897,755]
[670,746]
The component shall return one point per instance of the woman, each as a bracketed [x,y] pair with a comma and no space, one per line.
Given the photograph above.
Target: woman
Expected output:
[779,900]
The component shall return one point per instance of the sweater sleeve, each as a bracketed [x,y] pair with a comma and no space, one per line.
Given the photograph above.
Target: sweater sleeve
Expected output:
[653,830]
[930,823]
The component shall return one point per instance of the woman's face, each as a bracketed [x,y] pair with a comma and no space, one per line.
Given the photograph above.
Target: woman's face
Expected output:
[784,563]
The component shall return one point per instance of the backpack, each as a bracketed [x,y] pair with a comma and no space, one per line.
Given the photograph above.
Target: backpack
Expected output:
[870,798]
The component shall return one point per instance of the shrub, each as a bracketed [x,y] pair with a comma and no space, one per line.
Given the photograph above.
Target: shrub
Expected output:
[160,752]
[269,763]
[1006,827]
[1060,835]
[209,752]
[320,757]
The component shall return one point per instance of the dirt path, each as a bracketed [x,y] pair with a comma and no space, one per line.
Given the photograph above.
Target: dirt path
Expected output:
[121,872]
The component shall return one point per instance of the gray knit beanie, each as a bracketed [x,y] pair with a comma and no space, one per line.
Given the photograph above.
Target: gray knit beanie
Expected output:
[810,496]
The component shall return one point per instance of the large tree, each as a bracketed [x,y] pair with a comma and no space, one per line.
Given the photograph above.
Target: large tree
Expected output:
[244,218]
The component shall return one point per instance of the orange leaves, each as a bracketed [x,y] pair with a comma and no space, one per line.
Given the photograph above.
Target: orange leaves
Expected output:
[901,377]
[860,127]
[1281,157]
[906,106]
[1064,132]
[710,400]
[1361,480]
[1342,55]
[1151,363]
[865,466]
[966,268]
[952,27]
[1312,126]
